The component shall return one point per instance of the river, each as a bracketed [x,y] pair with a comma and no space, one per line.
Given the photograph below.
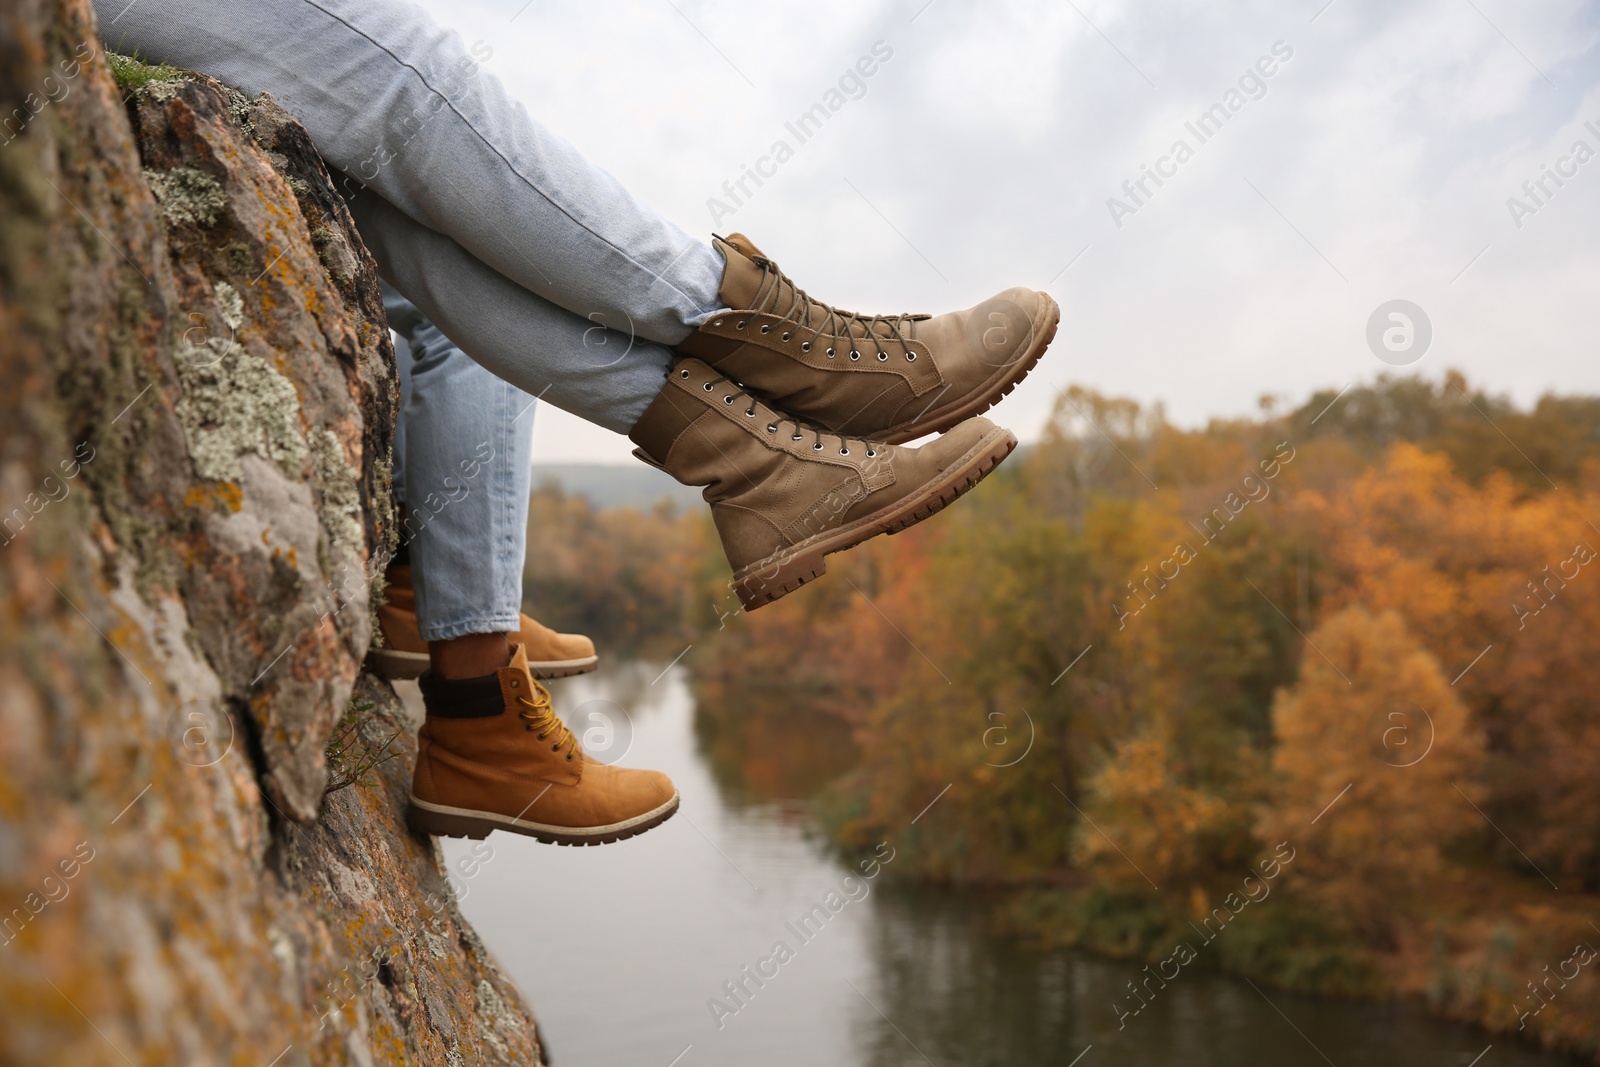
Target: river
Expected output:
[624,950]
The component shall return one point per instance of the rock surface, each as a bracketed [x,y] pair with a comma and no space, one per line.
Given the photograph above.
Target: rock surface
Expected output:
[194,501]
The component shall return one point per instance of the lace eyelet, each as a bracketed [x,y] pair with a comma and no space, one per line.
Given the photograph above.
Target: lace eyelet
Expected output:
[883,357]
[872,453]
[706,387]
[717,323]
[854,354]
[728,400]
[844,451]
[750,414]
[528,728]
[569,757]
[556,747]
[515,682]
[798,437]
[766,327]
[831,353]
[541,736]
[786,336]
[805,346]
[911,357]
[740,324]
[817,447]
[772,427]
[683,374]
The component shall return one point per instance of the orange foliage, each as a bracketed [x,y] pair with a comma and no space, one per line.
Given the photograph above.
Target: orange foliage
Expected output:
[1479,569]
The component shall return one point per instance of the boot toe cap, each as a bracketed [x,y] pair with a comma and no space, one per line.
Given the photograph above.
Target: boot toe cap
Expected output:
[624,793]
[960,439]
[1004,327]
[654,788]
[576,646]
[545,645]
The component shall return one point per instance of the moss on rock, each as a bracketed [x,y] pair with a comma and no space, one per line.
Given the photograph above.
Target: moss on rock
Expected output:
[133,74]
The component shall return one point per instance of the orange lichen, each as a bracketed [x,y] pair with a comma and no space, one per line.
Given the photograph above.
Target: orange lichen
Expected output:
[218,496]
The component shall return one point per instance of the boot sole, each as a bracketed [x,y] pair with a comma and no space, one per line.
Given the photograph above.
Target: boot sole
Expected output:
[441,820]
[996,390]
[781,573]
[398,666]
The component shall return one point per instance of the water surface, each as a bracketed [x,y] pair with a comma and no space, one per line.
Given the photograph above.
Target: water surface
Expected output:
[623,950]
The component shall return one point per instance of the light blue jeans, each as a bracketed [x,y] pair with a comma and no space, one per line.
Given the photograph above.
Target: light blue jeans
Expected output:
[462,446]
[538,263]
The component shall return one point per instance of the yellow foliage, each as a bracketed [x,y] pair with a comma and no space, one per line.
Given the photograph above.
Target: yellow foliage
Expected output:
[1371,764]
[1144,826]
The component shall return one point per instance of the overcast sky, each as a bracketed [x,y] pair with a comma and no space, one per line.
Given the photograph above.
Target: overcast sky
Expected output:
[1374,163]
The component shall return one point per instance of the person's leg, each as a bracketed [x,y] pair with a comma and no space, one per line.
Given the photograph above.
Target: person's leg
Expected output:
[491,752]
[400,104]
[468,446]
[462,449]
[601,375]
[465,454]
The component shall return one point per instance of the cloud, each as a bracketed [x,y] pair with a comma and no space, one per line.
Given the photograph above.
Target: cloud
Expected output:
[1377,165]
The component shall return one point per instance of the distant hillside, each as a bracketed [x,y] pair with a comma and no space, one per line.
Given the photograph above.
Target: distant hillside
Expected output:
[609,485]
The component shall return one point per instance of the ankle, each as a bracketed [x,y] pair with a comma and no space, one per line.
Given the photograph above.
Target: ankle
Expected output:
[469,656]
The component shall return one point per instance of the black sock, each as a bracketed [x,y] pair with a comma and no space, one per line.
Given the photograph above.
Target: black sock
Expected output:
[462,698]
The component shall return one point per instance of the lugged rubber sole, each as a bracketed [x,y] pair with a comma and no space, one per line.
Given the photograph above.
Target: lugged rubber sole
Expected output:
[398,666]
[441,820]
[781,573]
[982,400]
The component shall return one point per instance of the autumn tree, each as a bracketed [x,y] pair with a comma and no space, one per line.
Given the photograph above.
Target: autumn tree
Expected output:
[1372,766]
[1499,583]
[1142,824]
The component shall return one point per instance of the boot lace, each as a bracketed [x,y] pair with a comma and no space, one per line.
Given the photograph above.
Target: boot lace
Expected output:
[539,713]
[800,426]
[824,321]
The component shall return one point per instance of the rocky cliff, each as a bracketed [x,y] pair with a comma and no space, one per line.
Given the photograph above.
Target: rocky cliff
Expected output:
[203,857]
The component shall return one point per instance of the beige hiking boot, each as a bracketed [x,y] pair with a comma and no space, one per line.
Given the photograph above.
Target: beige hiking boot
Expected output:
[405,654]
[784,494]
[889,378]
[492,755]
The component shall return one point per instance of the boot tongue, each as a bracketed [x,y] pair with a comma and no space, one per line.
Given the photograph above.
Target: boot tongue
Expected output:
[744,245]
[741,279]
[516,680]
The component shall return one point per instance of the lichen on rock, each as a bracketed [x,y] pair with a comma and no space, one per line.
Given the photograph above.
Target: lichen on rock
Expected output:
[230,304]
[235,402]
[341,497]
[188,197]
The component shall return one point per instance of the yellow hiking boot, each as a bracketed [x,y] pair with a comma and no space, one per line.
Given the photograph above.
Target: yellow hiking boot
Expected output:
[492,755]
